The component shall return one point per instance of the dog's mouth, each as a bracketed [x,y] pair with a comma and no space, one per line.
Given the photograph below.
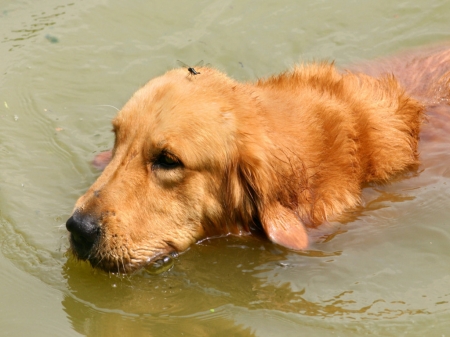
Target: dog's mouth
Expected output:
[112,253]
[122,261]
[79,247]
[161,264]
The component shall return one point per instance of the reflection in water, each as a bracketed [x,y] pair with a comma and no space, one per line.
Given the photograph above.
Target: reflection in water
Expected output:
[212,285]
[101,304]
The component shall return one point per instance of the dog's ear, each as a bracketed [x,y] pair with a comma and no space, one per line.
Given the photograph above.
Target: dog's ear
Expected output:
[282,226]
[102,160]
[263,189]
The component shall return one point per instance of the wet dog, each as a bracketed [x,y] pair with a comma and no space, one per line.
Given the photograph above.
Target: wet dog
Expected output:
[207,156]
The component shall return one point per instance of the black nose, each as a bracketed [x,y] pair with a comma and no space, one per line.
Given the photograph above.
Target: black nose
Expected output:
[84,233]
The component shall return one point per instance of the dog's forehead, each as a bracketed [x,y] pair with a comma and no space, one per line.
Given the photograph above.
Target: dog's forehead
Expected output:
[180,112]
[181,97]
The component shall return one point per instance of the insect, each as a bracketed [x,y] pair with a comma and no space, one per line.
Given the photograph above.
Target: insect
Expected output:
[191,70]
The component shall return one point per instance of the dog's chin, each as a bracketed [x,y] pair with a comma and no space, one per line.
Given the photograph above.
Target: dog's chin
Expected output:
[125,263]
[80,250]
[154,265]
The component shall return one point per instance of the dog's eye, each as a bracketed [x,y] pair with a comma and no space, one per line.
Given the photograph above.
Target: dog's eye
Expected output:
[166,161]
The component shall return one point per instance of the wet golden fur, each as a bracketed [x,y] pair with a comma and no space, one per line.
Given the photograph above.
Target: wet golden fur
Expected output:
[203,156]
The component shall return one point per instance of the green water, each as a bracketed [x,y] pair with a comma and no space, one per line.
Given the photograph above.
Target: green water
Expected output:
[66,65]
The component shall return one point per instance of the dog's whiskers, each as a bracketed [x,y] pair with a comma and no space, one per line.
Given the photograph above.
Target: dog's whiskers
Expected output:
[107,105]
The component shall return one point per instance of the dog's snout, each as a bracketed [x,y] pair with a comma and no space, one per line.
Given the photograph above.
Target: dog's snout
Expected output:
[84,233]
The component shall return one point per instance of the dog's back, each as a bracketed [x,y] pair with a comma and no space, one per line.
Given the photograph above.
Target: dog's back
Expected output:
[339,131]
[424,73]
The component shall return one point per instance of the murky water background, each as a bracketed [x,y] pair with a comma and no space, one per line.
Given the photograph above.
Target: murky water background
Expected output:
[65,66]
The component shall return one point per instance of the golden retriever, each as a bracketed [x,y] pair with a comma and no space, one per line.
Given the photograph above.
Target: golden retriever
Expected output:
[198,156]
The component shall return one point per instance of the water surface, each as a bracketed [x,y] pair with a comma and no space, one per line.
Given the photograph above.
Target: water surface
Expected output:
[66,66]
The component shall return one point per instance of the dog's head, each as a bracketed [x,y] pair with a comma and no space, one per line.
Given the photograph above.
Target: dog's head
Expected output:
[190,161]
